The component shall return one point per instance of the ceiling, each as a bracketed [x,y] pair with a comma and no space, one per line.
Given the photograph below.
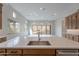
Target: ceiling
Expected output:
[45,11]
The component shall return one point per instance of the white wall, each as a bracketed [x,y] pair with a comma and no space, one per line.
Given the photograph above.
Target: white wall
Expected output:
[58,27]
[6,14]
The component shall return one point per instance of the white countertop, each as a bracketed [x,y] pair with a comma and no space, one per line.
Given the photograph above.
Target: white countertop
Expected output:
[73,31]
[2,35]
[56,42]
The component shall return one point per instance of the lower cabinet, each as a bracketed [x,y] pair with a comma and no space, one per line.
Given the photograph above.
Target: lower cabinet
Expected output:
[27,52]
[72,37]
[14,52]
[39,52]
[67,52]
[2,52]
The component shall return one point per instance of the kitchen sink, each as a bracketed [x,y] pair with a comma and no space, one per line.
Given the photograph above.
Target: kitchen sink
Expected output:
[39,43]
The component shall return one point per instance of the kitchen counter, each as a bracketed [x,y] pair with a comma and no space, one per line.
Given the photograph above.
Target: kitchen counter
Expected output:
[2,35]
[56,43]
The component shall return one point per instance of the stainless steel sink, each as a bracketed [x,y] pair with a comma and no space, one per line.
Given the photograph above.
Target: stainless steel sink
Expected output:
[39,43]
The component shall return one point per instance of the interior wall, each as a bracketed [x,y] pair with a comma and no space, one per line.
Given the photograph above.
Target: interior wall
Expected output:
[7,13]
[58,27]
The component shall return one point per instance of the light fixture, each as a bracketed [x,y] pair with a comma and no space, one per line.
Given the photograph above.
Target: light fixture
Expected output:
[54,14]
[43,9]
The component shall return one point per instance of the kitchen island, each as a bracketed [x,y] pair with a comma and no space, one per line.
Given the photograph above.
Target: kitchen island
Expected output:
[19,46]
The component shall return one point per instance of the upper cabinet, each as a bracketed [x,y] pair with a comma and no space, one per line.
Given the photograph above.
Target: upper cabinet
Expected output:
[0,16]
[72,21]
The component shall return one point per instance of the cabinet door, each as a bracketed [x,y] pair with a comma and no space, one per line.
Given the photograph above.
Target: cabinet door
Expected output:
[70,22]
[67,23]
[78,20]
[74,21]
[38,52]
[0,19]
[14,52]
[76,38]
[2,52]
[0,16]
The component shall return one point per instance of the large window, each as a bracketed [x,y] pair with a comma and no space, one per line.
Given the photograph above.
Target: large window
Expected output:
[17,27]
[25,27]
[14,27]
[43,29]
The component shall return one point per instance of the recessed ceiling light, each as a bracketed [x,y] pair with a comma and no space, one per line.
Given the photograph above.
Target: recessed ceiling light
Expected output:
[54,14]
[43,9]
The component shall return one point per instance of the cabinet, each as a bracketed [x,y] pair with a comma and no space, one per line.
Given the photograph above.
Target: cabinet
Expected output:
[67,52]
[39,52]
[78,20]
[14,52]
[72,37]
[0,16]
[72,21]
[27,52]
[76,38]
[2,52]
[66,23]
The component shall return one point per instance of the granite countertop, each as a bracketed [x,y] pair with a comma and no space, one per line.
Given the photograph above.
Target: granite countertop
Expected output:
[56,42]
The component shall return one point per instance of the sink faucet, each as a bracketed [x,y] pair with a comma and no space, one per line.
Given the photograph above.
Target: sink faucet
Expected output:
[39,36]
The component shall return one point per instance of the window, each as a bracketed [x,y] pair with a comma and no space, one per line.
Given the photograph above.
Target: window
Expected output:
[34,29]
[14,27]
[17,27]
[25,27]
[11,26]
[44,29]
[14,14]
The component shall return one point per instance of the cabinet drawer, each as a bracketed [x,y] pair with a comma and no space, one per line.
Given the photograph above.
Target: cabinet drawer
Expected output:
[14,52]
[67,52]
[2,52]
[38,52]
[76,38]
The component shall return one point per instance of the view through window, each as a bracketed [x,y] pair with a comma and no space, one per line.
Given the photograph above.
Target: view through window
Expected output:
[14,27]
[44,29]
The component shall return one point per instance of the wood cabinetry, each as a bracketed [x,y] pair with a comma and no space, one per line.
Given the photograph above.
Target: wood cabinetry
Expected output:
[78,20]
[2,52]
[72,37]
[72,21]
[27,52]
[0,16]
[39,52]
[67,52]
[14,52]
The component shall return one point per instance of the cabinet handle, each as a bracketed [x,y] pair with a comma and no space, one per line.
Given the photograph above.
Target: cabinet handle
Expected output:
[13,51]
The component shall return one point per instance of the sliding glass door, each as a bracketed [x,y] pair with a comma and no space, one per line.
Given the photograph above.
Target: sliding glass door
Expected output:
[43,29]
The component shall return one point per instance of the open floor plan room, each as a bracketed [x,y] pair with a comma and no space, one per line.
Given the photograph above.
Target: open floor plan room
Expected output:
[39,29]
